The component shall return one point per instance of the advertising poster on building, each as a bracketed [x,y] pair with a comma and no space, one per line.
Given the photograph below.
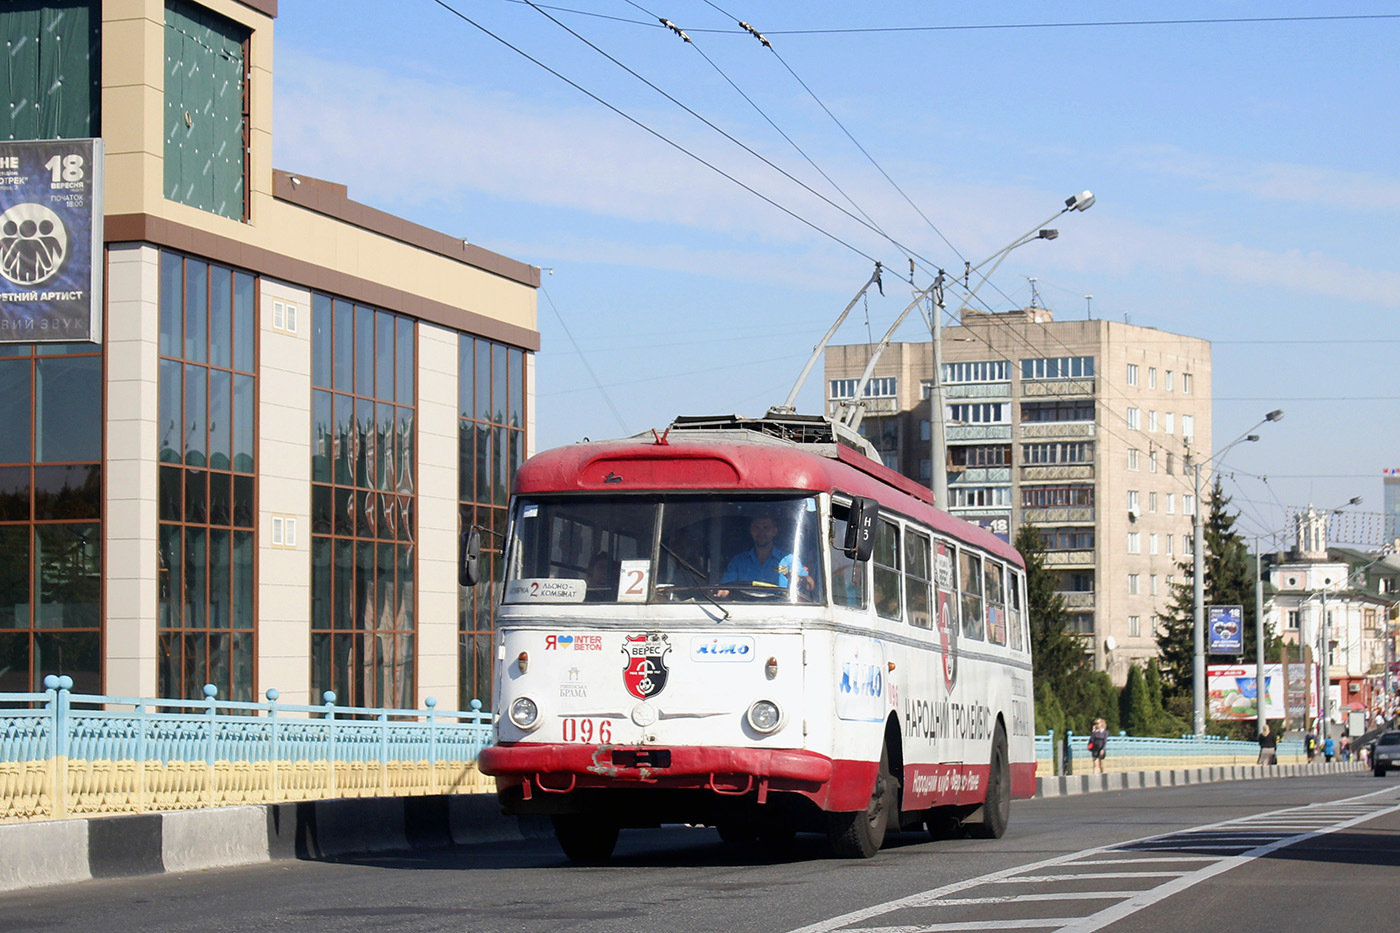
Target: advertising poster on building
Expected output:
[51,241]
[1230,691]
[1226,627]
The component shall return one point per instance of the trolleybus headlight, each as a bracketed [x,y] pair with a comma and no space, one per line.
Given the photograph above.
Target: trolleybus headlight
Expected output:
[765,716]
[524,713]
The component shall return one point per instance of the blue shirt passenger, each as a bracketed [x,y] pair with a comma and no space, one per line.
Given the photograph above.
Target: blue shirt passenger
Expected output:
[762,563]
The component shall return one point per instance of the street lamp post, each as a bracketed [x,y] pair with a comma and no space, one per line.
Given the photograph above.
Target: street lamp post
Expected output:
[1198,679]
[938,443]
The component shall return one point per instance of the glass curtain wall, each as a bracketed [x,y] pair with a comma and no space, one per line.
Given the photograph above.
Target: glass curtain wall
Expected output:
[50,515]
[491,399]
[363,504]
[208,389]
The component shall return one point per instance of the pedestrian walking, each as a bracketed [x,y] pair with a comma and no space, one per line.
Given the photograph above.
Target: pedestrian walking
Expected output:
[1329,748]
[1098,744]
[1268,746]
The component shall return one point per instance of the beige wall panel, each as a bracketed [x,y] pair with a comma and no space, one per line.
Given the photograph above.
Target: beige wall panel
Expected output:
[129,531]
[437,516]
[284,488]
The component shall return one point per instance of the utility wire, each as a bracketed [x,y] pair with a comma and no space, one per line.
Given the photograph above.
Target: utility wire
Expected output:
[782,61]
[727,135]
[640,125]
[584,360]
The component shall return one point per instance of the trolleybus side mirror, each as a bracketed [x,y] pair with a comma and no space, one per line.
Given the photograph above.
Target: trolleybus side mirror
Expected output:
[469,556]
[860,528]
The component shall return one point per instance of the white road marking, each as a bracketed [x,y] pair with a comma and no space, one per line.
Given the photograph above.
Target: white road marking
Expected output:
[1306,822]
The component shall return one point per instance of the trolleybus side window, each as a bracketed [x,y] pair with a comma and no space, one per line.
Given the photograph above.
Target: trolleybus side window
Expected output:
[917,578]
[848,586]
[945,559]
[970,586]
[1017,621]
[887,571]
[996,602]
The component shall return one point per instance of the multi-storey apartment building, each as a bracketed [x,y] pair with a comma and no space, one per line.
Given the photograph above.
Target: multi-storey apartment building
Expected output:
[1083,428]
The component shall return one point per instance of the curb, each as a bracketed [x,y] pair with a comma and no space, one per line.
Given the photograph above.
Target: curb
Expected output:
[1072,784]
[64,851]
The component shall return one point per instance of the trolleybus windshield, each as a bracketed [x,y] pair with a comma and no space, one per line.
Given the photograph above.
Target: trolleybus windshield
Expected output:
[631,549]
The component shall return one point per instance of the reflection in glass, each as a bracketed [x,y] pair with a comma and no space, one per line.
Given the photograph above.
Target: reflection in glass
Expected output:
[15,410]
[196,496]
[244,322]
[322,349]
[220,577]
[405,366]
[220,316]
[14,494]
[67,491]
[171,575]
[322,436]
[384,356]
[344,346]
[243,424]
[196,560]
[364,350]
[243,579]
[220,418]
[68,409]
[76,654]
[220,499]
[14,578]
[171,413]
[196,385]
[196,311]
[515,401]
[172,288]
[67,575]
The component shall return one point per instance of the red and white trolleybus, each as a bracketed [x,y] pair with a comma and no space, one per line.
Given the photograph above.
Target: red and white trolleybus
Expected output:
[753,625]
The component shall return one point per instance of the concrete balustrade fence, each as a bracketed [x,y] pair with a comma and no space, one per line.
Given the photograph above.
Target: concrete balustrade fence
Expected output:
[69,755]
[1151,753]
[75,755]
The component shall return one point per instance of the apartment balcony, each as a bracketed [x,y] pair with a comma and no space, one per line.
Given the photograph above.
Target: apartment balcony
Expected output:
[1065,559]
[991,390]
[1078,600]
[1057,388]
[1036,474]
[978,432]
[1057,516]
[873,406]
[980,476]
[1048,430]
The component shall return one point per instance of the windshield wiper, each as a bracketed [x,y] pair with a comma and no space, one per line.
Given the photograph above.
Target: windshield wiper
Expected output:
[700,578]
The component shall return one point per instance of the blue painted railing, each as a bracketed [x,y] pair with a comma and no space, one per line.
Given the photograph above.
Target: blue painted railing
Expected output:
[63,752]
[1151,753]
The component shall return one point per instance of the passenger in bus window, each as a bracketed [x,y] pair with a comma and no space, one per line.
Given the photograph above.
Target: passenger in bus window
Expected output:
[603,574]
[766,563]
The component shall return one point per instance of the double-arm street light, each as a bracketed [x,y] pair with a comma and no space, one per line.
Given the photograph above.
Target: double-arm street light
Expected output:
[1198,678]
[938,444]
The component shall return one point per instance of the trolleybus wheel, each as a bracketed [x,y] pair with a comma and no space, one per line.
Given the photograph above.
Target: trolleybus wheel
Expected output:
[996,811]
[585,838]
[860,834]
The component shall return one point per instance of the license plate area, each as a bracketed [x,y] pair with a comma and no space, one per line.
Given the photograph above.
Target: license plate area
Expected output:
[641,757]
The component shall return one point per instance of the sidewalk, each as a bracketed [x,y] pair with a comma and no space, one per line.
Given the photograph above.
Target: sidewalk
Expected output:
[64,851]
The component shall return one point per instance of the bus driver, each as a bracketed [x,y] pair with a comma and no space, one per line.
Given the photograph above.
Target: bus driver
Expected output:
[763,563]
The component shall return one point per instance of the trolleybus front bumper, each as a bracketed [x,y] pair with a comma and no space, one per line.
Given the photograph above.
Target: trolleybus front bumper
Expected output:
[561,769]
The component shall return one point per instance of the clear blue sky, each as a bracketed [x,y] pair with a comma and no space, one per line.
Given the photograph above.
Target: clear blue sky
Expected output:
[1246,176]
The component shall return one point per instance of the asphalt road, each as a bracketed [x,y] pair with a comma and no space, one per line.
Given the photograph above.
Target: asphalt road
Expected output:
[1295,854]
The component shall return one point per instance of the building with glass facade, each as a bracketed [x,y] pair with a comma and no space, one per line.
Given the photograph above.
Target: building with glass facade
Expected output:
[257,476]
[1080,428]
